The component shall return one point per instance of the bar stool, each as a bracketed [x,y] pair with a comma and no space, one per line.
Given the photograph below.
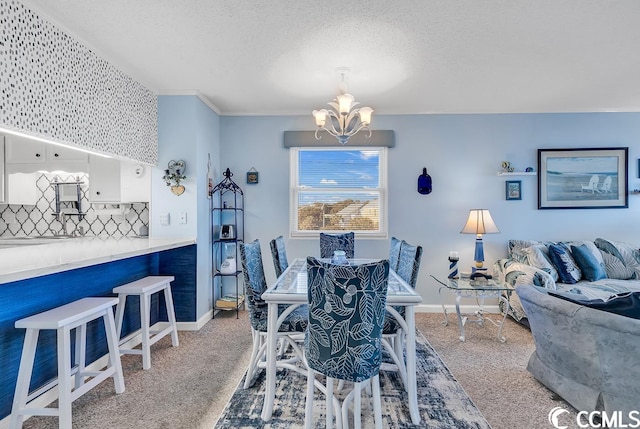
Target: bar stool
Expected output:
[144,288]
[74,315]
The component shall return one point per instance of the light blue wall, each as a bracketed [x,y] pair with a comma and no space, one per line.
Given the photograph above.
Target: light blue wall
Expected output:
[463,154]
[188,130]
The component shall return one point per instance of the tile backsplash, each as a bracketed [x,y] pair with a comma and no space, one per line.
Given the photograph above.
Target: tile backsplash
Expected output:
[38,220]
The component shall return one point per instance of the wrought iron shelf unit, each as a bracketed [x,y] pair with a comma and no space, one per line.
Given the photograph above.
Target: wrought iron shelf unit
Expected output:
[227,232]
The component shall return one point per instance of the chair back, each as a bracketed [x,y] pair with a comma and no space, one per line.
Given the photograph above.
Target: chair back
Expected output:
[394,253]
[255,283]
[279,255]
[409,263]
[329,243]
[346,316]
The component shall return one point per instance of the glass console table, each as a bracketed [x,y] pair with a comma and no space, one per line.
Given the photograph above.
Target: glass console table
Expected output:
[480,290]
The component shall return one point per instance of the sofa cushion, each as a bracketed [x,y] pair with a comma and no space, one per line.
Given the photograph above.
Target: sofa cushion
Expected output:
[625,304]
[516,248]
[538,256]
[568,270]
[591,268]
[622,261]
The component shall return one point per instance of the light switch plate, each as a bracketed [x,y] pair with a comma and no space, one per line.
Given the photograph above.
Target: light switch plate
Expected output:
[164,219]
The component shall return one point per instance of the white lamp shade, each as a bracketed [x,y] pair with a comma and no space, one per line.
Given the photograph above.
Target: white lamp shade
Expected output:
[480,222]
[365,115]
[320,116]
[344,103]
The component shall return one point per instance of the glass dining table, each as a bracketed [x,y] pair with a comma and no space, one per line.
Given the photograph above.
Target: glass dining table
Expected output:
[291,288]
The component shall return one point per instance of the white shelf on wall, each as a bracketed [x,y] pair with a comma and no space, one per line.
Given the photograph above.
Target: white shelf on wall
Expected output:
[517,173]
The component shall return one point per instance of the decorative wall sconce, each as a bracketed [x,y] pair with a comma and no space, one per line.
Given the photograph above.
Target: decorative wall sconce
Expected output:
[174,174]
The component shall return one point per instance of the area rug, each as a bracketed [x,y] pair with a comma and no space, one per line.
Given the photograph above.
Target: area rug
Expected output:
[441,400]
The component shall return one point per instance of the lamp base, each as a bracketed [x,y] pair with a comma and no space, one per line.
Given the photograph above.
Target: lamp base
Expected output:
[482,270]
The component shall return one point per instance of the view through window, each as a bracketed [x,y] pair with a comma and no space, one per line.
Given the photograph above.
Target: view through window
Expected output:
[338,189]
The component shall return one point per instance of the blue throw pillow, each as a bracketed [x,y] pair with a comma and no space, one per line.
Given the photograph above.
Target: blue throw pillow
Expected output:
[591,269]
[568,270]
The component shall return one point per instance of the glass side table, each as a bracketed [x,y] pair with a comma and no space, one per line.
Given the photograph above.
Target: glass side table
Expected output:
[480,290]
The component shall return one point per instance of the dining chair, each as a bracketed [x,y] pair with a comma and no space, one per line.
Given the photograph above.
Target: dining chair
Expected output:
[329,243]
[394,253]
[393,335]
[279,255]
[343,340]
[293,325]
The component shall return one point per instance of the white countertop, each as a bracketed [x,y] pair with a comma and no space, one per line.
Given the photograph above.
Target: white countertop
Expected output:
[23,262]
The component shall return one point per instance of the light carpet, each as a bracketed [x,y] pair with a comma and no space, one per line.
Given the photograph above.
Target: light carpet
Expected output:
[442,402]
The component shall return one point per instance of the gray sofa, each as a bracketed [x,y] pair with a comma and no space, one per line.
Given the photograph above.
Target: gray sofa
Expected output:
[528,263]
[590,357]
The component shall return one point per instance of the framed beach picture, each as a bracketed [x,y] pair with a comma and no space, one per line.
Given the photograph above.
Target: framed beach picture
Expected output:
[513,190]
[583,178]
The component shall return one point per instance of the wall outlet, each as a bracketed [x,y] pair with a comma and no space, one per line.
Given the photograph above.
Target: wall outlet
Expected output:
[183,217]
[164,219]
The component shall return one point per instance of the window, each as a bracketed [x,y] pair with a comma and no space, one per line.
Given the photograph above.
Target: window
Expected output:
[338,189]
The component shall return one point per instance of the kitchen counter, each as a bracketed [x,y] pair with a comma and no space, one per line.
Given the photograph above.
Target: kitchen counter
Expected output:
[28,261]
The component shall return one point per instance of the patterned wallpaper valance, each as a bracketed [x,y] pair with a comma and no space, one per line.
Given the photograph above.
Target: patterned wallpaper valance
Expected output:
[55,87]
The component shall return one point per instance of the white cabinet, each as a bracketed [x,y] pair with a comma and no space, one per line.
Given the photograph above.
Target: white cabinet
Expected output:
[27,155]
[21,150]
[114,181]
[61,153]
[104,180]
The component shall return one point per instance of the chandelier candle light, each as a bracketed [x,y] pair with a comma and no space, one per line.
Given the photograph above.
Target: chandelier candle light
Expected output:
[344,120]
[479,222]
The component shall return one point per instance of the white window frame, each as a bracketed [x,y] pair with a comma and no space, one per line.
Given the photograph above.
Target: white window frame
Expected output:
[295,188]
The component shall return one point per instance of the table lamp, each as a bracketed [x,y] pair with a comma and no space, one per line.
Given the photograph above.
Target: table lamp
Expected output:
[479,222]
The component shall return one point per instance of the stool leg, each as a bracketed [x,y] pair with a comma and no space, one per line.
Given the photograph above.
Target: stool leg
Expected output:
[24,378]
[122,300]
[64,378]
[145,320]
[114,352]
[81,350]
[171,314]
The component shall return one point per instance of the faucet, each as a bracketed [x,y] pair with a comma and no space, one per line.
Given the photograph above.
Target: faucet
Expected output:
[62,218]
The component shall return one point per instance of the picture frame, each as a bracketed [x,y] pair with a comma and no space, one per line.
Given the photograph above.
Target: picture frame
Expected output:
[252,176]
[584,178]
[513,190]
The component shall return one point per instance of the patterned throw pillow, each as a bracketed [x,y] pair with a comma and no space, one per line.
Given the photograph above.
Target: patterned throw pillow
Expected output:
[592,270]
[538,256]
[626,255]
[568,271]
[516,249]
[615,268]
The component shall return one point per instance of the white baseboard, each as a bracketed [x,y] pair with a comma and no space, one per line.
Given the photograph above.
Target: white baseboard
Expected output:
[193,326]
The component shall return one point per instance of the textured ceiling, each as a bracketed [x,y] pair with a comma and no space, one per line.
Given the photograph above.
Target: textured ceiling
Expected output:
[406,57]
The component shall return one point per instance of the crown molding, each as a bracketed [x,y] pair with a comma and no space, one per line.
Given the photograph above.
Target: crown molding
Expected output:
[198,94]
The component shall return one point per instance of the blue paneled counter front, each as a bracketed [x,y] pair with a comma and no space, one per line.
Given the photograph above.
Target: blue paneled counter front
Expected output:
[40,277]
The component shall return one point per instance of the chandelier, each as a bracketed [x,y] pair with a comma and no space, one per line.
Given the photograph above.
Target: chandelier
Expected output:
[344,120]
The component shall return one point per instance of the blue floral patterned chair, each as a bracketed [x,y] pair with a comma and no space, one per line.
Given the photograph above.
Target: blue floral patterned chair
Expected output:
[344,337]
[394,253]
[279,255]
[292,327]
[393,334]
[329,243]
